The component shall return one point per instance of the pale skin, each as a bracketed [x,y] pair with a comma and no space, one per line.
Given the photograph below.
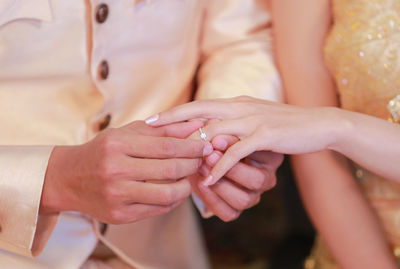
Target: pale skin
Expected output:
[334,201]
[124,174]
[261,125]
[135,172]
[348,225]
[241,187]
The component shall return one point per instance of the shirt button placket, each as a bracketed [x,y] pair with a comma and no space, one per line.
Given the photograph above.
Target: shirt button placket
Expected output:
[101,15]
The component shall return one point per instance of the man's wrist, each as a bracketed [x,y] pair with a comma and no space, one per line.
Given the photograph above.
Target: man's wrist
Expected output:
[53,198]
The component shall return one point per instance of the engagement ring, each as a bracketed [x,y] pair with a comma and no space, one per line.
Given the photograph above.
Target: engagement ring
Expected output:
[203,135]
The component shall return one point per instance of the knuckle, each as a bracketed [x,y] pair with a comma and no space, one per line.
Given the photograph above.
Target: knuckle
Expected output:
[271,183]
[191,167]
[107,169]
[168,148]
[172,171]
[117,216]
[165,209]
[107,142]
[231,216]
[257,184]
[198,163]
[111,194]
[264,129]
[196,147]
[168,196]
[244,203]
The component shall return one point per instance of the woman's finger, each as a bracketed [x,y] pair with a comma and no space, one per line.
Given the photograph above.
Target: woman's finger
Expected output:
[267,159]
[232,156]
[180,130]
[222,142]
[247,176]
[177,130]
[203,109]
[225,127]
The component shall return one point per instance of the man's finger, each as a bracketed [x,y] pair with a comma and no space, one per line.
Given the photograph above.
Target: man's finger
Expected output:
[226,127]
[164,147]
[234,196]
[267,159]
[153,169]
[135,212]
[156,194]
[214,203]
[249,177]
[231,157]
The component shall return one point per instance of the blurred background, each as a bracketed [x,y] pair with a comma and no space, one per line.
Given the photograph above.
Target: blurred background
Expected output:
[275,234]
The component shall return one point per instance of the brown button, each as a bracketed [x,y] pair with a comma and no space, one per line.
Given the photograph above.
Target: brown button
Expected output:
[101,13]
[103,228]
[103,70]
[105,122]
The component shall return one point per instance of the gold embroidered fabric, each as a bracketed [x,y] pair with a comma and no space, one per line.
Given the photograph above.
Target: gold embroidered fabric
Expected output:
[394,109]
[363,54]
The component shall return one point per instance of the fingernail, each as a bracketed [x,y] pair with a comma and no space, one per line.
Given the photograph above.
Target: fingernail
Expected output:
[213,158]
[223,145]
[208,180]
[208,148]
[152,119]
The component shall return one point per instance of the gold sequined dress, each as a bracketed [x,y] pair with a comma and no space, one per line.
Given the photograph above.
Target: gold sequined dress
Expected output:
[363,54]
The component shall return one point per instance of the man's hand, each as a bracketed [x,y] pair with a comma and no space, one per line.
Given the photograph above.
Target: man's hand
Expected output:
[106,177]
[242,186]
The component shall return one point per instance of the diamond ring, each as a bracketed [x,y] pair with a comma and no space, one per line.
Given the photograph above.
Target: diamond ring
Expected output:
[203,135]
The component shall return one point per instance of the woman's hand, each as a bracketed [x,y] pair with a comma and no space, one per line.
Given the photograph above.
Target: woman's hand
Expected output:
[260,125]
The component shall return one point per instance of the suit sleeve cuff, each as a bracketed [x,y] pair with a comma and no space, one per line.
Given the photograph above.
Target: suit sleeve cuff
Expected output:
[22,173]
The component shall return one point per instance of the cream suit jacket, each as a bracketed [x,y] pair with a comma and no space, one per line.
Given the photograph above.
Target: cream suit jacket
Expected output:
[68,69]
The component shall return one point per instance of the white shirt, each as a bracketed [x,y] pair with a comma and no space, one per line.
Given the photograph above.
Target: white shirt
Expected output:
[52,93]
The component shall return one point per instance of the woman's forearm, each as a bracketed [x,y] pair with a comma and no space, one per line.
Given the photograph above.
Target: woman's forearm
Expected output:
[340,212]
[371,142]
